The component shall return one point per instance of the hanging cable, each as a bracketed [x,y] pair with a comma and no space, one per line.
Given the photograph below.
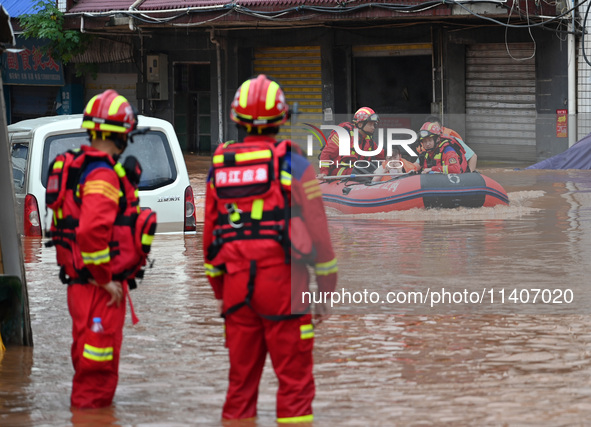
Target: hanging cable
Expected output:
[584,31]
[529,30]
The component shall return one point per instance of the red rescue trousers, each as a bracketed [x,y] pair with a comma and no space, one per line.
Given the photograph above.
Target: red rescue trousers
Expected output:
[249,337]
[95,356]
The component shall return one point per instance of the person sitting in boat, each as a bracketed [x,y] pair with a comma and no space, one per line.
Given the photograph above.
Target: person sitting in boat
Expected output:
[448,133]
[332,163]
[441,154]
[394,164]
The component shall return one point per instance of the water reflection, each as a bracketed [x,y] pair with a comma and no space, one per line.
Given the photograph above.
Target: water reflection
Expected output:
[374,366]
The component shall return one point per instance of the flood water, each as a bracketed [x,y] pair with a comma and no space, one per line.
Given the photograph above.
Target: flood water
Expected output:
[512,363]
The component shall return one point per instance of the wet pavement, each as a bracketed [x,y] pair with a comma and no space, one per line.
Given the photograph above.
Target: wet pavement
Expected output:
[516,363]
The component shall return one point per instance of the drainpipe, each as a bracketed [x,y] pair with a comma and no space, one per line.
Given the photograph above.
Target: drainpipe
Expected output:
[219,84]
[572,83]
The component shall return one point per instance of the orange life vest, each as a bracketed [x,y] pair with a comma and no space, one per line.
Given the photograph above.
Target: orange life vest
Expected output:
[428,159]
[133,230]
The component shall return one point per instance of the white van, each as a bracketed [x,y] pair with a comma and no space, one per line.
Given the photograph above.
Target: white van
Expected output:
[164,184]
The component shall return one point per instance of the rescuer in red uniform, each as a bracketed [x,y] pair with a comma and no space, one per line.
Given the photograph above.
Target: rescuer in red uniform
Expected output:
[86,197]
[441,154]
[332,163]
[264,220]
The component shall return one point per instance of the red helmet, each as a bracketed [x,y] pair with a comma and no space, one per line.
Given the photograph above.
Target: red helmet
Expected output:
[259,103]
[365,114]
[109,112]
[429,129]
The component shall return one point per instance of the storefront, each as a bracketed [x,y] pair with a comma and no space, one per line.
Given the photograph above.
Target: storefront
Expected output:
[33,83]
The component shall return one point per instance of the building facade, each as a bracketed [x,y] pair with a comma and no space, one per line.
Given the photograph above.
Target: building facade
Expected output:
[496,71]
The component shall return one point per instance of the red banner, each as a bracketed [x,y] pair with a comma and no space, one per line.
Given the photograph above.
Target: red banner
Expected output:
[561,123]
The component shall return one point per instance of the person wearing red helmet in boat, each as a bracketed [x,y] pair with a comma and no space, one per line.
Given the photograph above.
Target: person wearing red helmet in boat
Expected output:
[332,163]
[448,133]
[264,221]
[441,154]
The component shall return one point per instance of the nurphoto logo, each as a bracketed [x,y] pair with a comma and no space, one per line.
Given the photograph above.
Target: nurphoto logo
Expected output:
[400,137]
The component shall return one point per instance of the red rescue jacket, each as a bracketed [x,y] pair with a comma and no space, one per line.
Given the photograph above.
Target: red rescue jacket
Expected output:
[264,207]
[254,208]
[114,238]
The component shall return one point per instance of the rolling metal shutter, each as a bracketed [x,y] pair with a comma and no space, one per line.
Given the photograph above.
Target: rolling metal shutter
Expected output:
[501,101]
[298,70]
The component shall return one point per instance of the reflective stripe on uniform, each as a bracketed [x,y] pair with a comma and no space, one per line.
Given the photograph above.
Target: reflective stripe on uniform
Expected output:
[101,187]
[212,271]
[96,258]
[257,209]
[326,268]
[306,331]
[285,178]
[218,159]
[300,419]
[98,354]
[147,239]
[312,189]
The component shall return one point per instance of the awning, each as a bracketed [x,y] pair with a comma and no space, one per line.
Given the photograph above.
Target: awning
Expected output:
[101,6]
[147,5]
[16,8]
[103,50]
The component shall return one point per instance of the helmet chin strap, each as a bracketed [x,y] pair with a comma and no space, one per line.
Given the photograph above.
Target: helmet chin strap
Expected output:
[361,128]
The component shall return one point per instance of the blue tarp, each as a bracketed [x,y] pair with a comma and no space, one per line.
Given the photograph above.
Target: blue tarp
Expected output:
[576,157]
[16,8]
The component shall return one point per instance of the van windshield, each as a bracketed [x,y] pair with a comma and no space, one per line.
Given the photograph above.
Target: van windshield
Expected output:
[151,149]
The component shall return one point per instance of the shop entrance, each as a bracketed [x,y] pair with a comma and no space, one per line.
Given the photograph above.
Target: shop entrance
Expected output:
[394,80]
[192,106]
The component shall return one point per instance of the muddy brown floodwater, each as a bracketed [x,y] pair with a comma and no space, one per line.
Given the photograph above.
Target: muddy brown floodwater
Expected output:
[485,362]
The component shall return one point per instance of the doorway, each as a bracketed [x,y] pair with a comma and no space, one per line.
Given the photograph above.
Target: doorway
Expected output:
[398,88]
[192,106]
